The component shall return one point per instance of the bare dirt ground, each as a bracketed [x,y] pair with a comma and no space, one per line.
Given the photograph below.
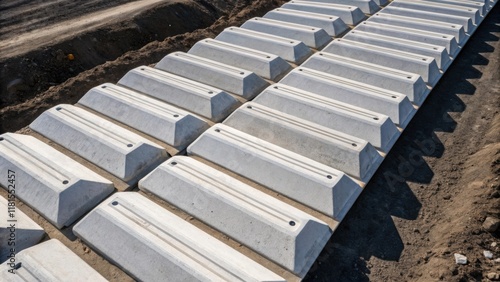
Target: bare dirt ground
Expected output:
[427,201]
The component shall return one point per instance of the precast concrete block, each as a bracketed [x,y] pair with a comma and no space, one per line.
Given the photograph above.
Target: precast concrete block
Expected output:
[377,129]
[333,26]
[152,244]
[393,104]
[350,14]
[410,84]
[381,2]
[316,185]
[49,261]
[452,19]
[228,78]
[199,98]
[56,186]
[427,27]
[414,35]
[366,6]
[107,145]
[425,66]
[480,6]
[264,64]
[291,50]
[165,122]
[467,12]
[312,36]
[17,230]
[265,224]
[439,53]
[335,149]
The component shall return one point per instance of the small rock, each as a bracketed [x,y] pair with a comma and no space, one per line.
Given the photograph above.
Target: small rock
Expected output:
[488,254]
[491,224]
[447,197]
[494,244]
[460,259]
[493,276]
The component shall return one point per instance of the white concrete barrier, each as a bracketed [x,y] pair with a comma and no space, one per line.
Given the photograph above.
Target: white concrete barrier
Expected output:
[312,36]
[381,2]
[367,6]
[480,6]
[306,181]
[395,105]
[198,98]
[56,186]
[152,244]
[350,14]
[346,153]
[107,145]
[422,25]
[265,224]
[423,65]
[17,230]
[441,8]
[415,35]
[167,123]
[333,26]
[49,261]
[378,129]
[228,78]
[410,84]
[439,53]
[291,50]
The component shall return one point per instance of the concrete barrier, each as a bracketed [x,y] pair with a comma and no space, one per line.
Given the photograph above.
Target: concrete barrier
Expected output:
[309,182]
[373,127]
[286,48]
[366,6]
[415,35]
[150,243]
[262,63]
[333,26]
[346,153]
[351,14]
[480,6]
[49,261]
[198,98]
[56,186]
[17,232]
[410,84]
[107,145]
[439,53]
[441,8]
[167,123]
[395,105]
[422,25]
[312,36]
[423,65]
[265,224]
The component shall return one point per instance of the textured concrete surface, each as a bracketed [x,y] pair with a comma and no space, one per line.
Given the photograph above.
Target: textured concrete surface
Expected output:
[351,15]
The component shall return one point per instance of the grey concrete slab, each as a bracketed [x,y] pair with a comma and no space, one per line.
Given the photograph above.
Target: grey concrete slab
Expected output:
[239,81]
[316,185]
[367,6]
[17,230]
[289,49]
[414,35]
[264,64]
[49,261]
[381,2]
[165,122]
[312,36]
[427,26]
[393,104]
[464,21]
[377,129]
[335,149]
[480,6]
[107,145]
[278,231]
[56,186]
[333,25]
[423,65]
[441,8]
[410,84]
[198,98]
[439,53]
[152,244]
[350,14]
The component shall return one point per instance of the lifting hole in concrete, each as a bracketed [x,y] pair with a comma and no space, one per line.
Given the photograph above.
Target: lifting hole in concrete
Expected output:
[275,87]
[58,108]
[129,145]
[292,223]
[329,176]
[242,73]
[142,69]
[173,163]
[249,107]
[176,115]
[424,59]
[375,118]
[394,97]
[354,145]
[217,130]
[409,77]
[65,182]
[115,203]
[103,87]
[1,138]
[210,92]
